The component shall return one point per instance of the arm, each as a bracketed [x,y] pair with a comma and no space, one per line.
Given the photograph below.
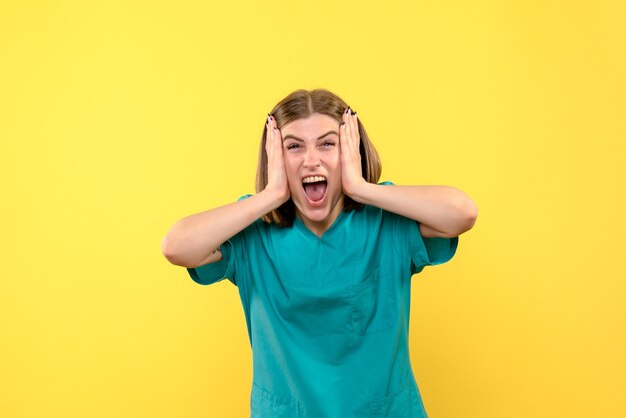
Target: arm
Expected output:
[192,240]
[442,211]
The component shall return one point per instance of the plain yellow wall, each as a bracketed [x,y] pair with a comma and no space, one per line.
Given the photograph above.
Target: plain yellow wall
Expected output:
[119,118]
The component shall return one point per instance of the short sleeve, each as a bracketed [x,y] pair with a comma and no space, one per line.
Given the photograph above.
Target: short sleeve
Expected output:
[422,251]
[223,269]
[428,251]
[215,272]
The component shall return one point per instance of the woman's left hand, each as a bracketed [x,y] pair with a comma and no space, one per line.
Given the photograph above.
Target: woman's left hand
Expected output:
[349,140]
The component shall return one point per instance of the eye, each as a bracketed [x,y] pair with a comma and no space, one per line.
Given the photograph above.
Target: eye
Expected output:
[328,144]
[292,146]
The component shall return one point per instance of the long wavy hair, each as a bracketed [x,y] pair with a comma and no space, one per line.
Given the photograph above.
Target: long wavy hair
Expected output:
[301,104]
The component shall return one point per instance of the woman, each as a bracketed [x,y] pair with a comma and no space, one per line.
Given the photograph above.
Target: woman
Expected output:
[323,256]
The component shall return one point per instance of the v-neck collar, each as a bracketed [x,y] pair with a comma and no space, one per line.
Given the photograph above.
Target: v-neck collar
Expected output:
[306,231]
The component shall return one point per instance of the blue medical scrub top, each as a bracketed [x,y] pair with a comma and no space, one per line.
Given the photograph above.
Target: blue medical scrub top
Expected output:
[328,318]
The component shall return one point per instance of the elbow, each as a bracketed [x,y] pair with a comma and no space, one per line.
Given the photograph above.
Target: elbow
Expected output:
[176,257]
[169,252]
[469,212]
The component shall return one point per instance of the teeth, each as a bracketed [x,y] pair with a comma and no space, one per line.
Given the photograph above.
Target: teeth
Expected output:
[313,179]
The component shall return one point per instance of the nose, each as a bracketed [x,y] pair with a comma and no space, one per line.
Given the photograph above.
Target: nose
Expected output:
[311,158]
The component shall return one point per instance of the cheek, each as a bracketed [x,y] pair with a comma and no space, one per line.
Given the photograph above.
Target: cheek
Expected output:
[335,161]
[291,168]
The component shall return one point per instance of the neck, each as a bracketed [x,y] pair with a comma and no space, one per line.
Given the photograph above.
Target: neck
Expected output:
[319,227]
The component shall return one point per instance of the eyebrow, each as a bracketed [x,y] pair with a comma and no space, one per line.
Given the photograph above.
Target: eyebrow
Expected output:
[286,137]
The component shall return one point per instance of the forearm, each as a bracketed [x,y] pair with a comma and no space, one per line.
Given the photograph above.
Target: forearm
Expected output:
[192,238]
[443,208]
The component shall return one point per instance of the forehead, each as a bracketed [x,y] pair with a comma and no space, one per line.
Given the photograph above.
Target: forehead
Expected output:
[310,128]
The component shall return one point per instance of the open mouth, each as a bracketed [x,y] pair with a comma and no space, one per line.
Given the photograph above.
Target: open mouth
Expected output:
[315,188]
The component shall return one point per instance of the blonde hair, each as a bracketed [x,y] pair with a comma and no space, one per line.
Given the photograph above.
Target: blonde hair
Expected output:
[301,104]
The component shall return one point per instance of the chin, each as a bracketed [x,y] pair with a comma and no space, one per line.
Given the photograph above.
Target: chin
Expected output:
[316,215]
[316,211]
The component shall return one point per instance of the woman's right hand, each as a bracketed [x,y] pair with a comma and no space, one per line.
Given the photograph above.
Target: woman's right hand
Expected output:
[276,172]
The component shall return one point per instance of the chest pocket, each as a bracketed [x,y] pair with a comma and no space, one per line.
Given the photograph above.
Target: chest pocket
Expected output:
[374,303]
[322,311]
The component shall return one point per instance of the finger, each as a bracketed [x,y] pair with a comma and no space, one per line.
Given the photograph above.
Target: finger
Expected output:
[278,141]
[271,127]
[268,125]
[268,138]
[343,144]
[345,116]
[271,146]
[274,148]
[345,120]
[276,129]
[354,130]
[350,128]
[357,137]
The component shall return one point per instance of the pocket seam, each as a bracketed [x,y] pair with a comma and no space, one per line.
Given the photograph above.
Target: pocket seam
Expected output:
[384,402]
[387,320]
[275,401]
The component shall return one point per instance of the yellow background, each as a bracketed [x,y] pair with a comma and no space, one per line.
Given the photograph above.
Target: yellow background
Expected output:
[118,119]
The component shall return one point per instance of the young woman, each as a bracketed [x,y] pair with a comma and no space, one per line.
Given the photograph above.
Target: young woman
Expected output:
[322,257]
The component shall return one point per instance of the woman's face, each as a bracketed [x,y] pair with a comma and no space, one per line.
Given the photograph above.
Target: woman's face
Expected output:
[312,161]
